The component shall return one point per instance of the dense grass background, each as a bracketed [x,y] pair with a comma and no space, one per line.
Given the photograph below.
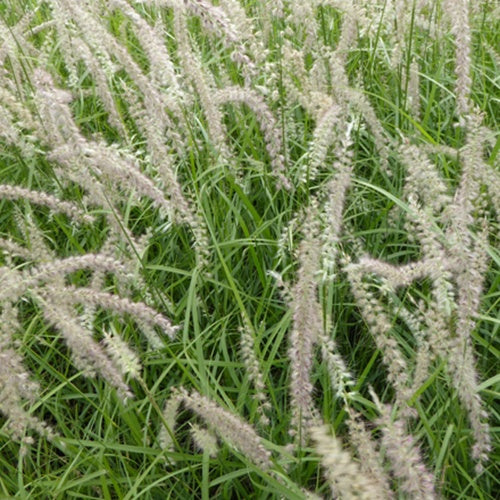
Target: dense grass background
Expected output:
[108,449]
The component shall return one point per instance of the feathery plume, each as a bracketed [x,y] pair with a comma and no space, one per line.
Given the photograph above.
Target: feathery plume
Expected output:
[368,454]
[458,15]
[165,436]
[204,440]
[86,353]
[404,455]
[254,370]
[16,386]
[380,325]
[229,427]
[267,123]
[9,192]
[119,351]
[343,474]
[307,326]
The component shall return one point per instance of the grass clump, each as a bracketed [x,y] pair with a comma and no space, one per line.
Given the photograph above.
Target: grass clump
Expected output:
[249,249]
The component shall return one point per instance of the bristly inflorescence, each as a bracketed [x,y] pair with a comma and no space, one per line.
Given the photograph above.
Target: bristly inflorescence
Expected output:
[210,128]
